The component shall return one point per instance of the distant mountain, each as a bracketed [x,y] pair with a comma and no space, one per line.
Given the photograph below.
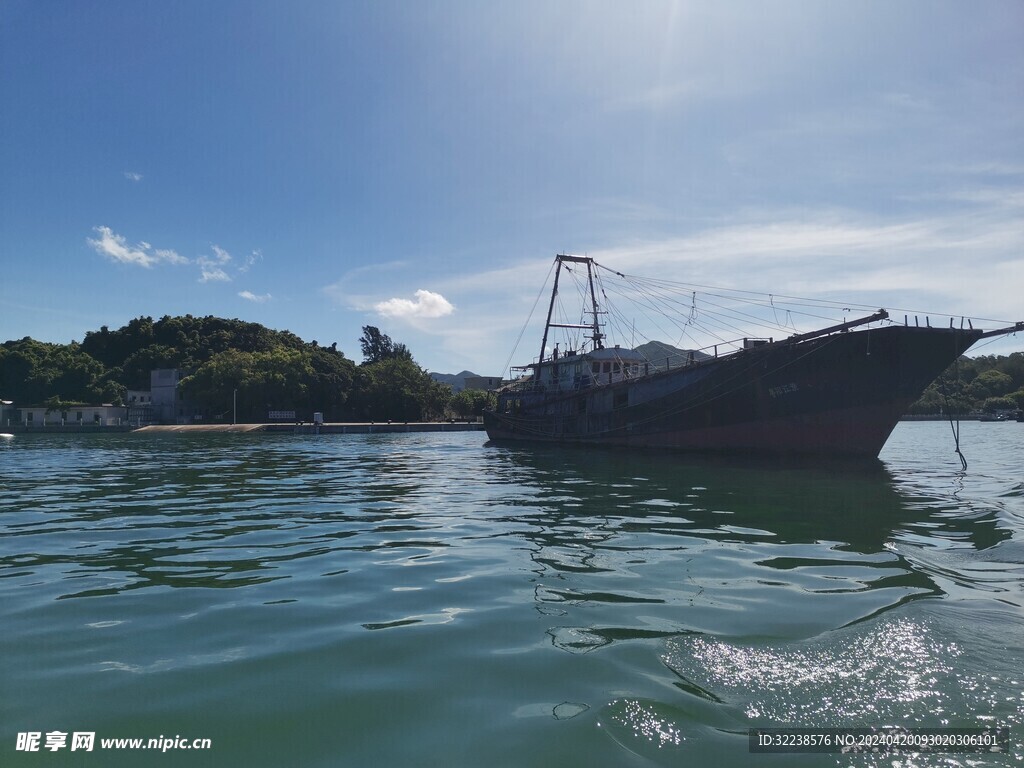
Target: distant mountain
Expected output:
[661,354]
[457,381]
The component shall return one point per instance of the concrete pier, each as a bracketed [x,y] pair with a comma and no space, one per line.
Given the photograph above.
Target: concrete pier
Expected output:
[61,429]
[337,428]
[197,428]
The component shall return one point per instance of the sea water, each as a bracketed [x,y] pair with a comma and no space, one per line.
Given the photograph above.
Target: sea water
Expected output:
[434,600]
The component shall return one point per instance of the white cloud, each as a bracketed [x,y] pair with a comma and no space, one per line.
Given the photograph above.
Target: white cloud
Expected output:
[427,305]
[133,176]
[220,255]
[211,274]
[116,248]
[953,263]
[251,259]
[959,256]
[258,298]
[171,257]
[211,267]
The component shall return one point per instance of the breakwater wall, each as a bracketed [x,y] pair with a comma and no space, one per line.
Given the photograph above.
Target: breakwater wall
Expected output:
[59,429]
[353,428]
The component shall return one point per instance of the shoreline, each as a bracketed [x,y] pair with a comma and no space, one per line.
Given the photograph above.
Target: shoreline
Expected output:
[335,428]
[305,428]
[329,428]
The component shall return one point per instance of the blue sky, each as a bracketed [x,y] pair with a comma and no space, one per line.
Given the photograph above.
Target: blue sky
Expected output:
[320,166]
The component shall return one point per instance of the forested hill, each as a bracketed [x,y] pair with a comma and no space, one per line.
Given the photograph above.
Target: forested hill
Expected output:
[983,383]
[269,369]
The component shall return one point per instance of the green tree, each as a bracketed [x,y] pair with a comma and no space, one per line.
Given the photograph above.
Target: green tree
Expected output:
[301,380]
[378,346]
[993,404]
[32,372]
[264,381]
[397,389]
[1013,366]
[138,366]
[18,363]
[214,383]
[270,370]
[990,383]
[55,404]
[472,402]
[330,382]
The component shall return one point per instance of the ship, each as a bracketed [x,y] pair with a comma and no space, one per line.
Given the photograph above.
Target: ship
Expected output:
[836,391]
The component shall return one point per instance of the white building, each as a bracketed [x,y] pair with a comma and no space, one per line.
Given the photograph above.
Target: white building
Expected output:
[74,415]
[484,383]
[138,397]
[140,406]
[8,413]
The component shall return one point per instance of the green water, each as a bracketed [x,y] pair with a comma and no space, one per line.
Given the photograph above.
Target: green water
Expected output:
[433,600]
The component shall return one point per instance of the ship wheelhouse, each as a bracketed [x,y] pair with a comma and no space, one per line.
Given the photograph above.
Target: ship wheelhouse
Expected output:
[574,371]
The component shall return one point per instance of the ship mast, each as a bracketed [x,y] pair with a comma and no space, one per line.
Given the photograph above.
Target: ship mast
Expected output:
[595,327]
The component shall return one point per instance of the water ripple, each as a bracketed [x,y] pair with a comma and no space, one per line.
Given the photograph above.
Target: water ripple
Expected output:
[445,590]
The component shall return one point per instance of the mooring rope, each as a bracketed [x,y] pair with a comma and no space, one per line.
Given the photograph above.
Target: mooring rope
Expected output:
[956,440]
[954,426]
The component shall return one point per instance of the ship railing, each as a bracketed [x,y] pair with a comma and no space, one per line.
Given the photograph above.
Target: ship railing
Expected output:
[629,370]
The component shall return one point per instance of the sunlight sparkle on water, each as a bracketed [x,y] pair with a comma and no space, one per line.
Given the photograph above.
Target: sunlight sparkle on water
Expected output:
[850,677]
[646,723]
